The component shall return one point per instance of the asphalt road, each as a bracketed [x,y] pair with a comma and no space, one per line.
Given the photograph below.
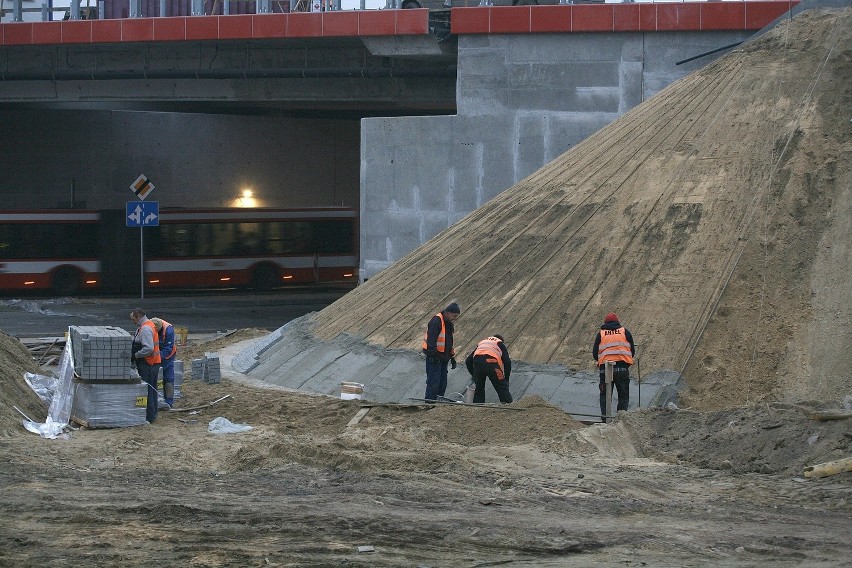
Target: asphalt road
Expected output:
[200,312]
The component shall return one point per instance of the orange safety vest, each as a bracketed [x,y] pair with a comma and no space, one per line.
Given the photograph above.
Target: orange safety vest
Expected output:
[174,345]
[154,357]
[441,342]
[614,346]
[490,347]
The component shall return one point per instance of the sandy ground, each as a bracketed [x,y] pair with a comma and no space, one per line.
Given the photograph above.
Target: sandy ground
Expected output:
[449,485]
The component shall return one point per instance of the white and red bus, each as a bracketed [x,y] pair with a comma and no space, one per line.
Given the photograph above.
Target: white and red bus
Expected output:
[67,251]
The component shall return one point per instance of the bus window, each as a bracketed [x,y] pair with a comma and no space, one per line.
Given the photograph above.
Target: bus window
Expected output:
[333,236]
[176,240]
[247,239]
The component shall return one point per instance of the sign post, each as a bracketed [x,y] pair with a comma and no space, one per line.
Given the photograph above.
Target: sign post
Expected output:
[142,214]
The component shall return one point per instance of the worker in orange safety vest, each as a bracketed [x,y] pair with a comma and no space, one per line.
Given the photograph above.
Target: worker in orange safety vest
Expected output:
[614,342]
[490,359]
[438,348]
[168,350]
[145,353]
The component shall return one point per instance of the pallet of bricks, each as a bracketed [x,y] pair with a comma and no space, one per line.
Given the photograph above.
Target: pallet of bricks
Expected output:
[207,369]
[109,392]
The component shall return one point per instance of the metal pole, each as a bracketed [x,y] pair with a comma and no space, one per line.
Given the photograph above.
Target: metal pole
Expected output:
[639,368]
[141,263]
[608,366]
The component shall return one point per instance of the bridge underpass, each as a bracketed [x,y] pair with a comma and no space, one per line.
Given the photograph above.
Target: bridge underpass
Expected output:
[362,109]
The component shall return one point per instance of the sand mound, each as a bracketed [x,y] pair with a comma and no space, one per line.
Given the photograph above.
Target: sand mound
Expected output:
[15,360]
[714,218]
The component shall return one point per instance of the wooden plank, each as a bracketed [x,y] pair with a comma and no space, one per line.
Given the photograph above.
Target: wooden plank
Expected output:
[831,414]
[829,468]
[358,417]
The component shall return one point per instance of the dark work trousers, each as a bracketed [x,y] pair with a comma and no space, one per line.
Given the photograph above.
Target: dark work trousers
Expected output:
[483,368]
[169,380]
[621,382]
[436,377]
[149,374]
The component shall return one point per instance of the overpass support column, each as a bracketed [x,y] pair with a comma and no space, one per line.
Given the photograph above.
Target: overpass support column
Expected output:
[197,7]
[264,6]
[135,8]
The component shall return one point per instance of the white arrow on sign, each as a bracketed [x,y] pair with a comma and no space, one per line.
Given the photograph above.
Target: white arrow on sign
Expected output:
[149,218]
[136,216]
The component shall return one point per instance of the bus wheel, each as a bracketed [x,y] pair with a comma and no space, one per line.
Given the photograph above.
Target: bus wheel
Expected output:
[66,281]
[265,277]
[411,5]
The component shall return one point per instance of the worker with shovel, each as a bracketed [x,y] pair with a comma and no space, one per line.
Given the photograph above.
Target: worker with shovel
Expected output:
[490,359]
[614,342]
[438,347]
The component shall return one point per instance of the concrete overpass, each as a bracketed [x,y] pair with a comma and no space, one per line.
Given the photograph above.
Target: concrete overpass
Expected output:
[414,118]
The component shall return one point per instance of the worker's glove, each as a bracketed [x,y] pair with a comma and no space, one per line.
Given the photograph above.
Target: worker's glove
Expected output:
[453,363]
[132,360]
[601,387]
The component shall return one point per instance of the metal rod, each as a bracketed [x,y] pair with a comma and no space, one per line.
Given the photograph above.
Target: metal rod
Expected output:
[706,53]
[608,369]
[476,404]
[21,412]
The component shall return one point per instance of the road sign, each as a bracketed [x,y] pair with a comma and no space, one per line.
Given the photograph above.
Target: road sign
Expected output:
[142,213]
[142,187]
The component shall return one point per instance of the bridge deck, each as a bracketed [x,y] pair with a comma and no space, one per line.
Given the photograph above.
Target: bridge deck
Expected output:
[750,15]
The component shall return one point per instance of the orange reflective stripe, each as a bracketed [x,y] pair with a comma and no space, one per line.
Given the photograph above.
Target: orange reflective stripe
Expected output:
[614,346]
[441,342]
[154,357]
[490,347]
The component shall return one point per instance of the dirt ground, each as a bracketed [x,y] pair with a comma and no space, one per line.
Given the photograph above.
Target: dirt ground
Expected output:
[449,485]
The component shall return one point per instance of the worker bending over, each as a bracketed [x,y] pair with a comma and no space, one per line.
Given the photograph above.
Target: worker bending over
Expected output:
[490,359]
[168,350]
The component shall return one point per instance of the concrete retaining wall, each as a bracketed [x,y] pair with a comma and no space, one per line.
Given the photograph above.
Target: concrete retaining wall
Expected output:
[292,357]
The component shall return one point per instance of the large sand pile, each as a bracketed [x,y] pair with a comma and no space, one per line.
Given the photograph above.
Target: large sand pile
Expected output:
[715,219]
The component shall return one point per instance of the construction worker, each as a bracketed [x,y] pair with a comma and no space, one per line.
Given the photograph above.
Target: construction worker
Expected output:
[438,347]
[614,343]
[145,354]
[490,359]
[168,350]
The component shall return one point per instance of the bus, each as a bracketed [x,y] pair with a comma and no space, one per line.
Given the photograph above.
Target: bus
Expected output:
[69,251]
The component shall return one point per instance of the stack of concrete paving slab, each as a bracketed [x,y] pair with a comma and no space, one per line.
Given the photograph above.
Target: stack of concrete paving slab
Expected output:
[207,369]
[109,393]
[101,352]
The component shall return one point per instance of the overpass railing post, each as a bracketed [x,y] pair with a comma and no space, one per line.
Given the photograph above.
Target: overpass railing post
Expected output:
[226,8]
[74,10]
[17,11]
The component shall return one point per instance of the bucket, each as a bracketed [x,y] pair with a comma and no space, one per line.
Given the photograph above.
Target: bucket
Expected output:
[468,392]
[351,391]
